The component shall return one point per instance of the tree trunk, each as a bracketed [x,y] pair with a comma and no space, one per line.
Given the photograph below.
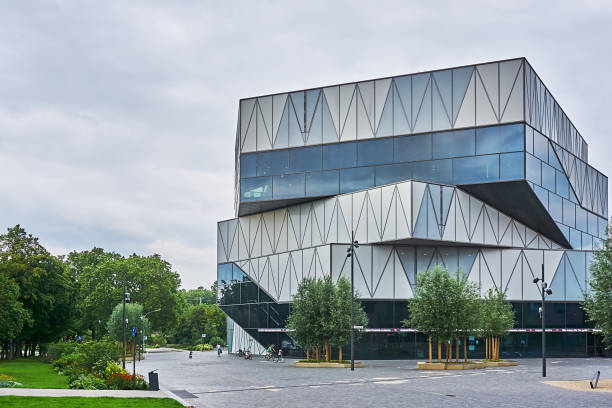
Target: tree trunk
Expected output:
[429,349]
[448,351]
[457,350]
[327,356]
[439,351]
[340,354]
[318,353]
[465,348]
[499,351]
[307,353]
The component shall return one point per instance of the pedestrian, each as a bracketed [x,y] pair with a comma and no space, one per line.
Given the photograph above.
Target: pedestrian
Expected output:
[218,350]
[280,354]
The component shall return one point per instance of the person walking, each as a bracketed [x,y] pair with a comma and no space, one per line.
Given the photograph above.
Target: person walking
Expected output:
[218,350]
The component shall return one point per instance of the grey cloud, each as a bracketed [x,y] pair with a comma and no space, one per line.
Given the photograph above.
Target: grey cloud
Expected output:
[117,119]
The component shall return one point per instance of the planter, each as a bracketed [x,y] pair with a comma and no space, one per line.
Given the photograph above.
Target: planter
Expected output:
[423,365]
[327,365]
[507,363]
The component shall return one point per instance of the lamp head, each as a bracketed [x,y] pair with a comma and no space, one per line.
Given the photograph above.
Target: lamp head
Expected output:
[536,280]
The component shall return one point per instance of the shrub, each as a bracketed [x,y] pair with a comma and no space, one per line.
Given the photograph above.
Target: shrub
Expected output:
[120,381]
[58,350]
[203,347]
[88,382]
[111,369]
[94,351]
[6,381]
[158,339]
[67,363]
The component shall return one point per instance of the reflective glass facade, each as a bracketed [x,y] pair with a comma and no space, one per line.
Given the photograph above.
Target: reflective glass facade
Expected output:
[454,157]
[473,168]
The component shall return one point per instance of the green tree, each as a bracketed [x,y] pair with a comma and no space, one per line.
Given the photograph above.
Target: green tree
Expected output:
[320,315]
[13,316]
[341,316]
[598,300]
[496,318]
[101,275]
[196,320]
[46,288]
[133,313]
[445,308]
[200,295]
[304,316]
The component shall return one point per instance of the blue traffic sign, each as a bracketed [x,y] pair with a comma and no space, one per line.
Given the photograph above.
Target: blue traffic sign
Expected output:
[133,332]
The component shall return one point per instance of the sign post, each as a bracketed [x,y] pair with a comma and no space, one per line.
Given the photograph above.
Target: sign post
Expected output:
[134,358]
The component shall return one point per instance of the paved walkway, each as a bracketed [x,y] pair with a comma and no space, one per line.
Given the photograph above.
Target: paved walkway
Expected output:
[210,381]
[43,392]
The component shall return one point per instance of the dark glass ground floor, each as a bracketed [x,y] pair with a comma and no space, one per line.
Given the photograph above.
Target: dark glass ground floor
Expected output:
[384,338]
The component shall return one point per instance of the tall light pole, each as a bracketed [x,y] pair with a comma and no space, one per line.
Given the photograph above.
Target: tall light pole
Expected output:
[350,252]
[126,299]
[544,291]
[142,327]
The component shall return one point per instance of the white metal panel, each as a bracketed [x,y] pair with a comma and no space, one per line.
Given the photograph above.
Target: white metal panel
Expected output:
[404,210]
[389,209]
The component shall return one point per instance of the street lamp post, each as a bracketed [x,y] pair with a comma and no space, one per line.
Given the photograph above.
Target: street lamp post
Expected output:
[350,252]
[142,332]
[544,291]
[126,299]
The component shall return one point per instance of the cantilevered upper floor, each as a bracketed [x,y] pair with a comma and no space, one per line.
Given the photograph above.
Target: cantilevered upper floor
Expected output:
[492,129]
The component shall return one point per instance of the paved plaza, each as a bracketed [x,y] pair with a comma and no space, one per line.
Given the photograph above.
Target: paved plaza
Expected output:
[209,381]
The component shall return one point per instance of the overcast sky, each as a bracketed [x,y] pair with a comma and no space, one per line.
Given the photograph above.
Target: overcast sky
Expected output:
[118,118]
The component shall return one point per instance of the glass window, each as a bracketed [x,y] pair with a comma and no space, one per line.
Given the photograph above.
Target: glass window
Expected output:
[540,146]
[339,155]
[454,144]
[498,139]
[569,213]
[592,220]
[511,166]
[555,207]
[248,165]
[542,195]
[289,186]
[356,179]
[603,224]
[529,139]
[305,159]
[272,162]
[371,152]
[412,148]
[548,177]
[322,183]
[581,218]
[435,171]
[564,228]
[575,239]
[476,169]
[257,188]
[224,273]
[533,169]
[393,173]
[552,158]
[587,241]
[562,185]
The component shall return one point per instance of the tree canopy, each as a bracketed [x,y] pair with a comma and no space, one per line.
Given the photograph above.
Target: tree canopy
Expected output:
[598,300]
[321,314]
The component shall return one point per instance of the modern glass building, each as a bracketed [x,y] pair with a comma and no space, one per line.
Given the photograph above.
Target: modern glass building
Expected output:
[474,168]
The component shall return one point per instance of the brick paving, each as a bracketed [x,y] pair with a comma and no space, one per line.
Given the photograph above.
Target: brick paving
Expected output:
[209,381]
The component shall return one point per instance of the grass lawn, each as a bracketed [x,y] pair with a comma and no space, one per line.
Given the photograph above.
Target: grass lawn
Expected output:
[87,402]
[33,373]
